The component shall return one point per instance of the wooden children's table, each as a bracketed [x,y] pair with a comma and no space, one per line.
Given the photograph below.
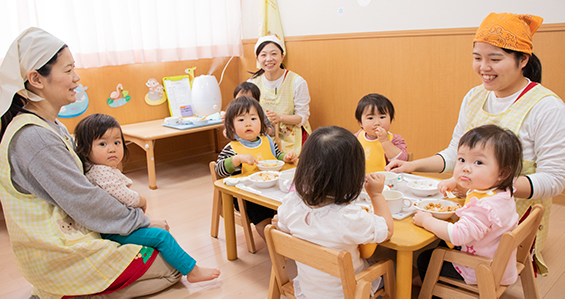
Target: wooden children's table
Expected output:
[144,134]
[406,239]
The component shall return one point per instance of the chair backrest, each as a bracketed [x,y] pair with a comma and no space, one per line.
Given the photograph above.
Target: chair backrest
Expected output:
[213,173]
[335,263]
[521,238]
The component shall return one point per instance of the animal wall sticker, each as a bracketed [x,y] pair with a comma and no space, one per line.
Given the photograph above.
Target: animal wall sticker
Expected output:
[156,94]
[119,97]
[79,106]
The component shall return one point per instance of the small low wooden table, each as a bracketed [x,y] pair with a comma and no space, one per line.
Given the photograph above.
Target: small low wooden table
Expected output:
[145,133]
[406,239]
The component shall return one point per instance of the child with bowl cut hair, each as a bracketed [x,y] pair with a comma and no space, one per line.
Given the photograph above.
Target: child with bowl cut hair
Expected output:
[245,127]
[249,89]
[374,114]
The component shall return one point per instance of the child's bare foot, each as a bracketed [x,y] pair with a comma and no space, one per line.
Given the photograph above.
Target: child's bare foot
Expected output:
[202,274]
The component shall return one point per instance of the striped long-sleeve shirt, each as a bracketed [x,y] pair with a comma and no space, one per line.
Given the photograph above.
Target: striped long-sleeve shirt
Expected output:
[224,164]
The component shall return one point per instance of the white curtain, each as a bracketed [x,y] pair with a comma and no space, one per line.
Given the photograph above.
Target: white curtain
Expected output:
[116,32]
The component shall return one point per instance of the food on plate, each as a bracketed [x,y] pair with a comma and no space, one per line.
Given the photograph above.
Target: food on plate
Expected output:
[438,207]
[269,164]
[265,176]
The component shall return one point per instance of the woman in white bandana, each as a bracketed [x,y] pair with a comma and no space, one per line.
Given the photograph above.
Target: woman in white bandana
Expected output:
[284,94]
[53,213]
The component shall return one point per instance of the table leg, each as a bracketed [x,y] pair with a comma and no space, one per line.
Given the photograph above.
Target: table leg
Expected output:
[150,156]
[229,224]
[404,274]
[217,140]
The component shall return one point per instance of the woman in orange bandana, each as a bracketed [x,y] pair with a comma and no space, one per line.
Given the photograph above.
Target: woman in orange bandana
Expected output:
[511,96]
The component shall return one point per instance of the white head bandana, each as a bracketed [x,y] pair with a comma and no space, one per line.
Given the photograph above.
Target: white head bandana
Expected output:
[267,38]
[31,50]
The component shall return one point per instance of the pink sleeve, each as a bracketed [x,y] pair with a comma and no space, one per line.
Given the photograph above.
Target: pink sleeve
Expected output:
[357,134]
[476,220]
[399,142]
[116,184]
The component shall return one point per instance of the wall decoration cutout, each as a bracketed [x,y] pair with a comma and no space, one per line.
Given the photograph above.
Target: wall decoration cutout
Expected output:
[190,72]
[155,96]
[119,97]
[78,107]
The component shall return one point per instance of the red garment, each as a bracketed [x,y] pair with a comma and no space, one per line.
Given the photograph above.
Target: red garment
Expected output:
[133,272]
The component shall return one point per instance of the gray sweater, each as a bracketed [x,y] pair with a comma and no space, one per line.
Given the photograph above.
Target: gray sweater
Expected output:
[42,165]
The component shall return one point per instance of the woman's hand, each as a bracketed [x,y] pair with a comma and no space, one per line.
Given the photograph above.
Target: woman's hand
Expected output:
[160,223]
[247,159]
[374,183]
[290,157]
[420,217]
[274,117]
[399,166]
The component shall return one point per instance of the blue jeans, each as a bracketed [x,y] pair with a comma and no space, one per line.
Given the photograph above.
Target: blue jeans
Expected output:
[161,240]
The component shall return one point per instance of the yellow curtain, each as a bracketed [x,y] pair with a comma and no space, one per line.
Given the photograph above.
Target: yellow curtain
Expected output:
[271,24]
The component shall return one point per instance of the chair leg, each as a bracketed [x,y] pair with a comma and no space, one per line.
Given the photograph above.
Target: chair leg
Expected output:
[485,282]
[390,280]
[432,274]
[216,213]
[274,292]
[528,279]
[246,224]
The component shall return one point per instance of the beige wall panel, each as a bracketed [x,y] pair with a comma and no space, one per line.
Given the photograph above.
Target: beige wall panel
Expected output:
[102,81]
[425,73]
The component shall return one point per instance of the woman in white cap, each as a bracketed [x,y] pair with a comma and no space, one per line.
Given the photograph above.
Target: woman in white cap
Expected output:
[53,213]
[511,96]
[284,94]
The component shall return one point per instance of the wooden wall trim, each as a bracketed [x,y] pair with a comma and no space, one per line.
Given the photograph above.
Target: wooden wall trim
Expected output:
[401,33]
[425,73]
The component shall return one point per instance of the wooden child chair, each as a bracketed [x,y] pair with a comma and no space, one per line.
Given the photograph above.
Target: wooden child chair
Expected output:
[488,271]
[240,217]
[336,263]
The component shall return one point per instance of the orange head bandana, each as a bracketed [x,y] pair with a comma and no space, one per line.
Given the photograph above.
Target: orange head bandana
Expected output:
[509,31]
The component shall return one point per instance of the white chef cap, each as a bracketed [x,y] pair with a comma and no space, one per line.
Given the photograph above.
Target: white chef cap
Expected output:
[267,38]
[31,50]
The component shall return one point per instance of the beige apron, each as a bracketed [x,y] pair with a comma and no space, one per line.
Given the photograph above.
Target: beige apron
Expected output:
[53,252]
[281,101]
[512,119]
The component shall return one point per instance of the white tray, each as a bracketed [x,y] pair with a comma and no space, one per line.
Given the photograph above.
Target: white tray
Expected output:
[278,195]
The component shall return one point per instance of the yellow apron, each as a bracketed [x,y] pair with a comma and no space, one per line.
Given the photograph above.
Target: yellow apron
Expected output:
[375,158]
[281,101]
[262,152]
[512,119]
[478,195]
[53,252]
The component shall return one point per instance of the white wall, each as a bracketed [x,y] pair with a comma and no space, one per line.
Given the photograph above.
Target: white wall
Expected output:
[316,17]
